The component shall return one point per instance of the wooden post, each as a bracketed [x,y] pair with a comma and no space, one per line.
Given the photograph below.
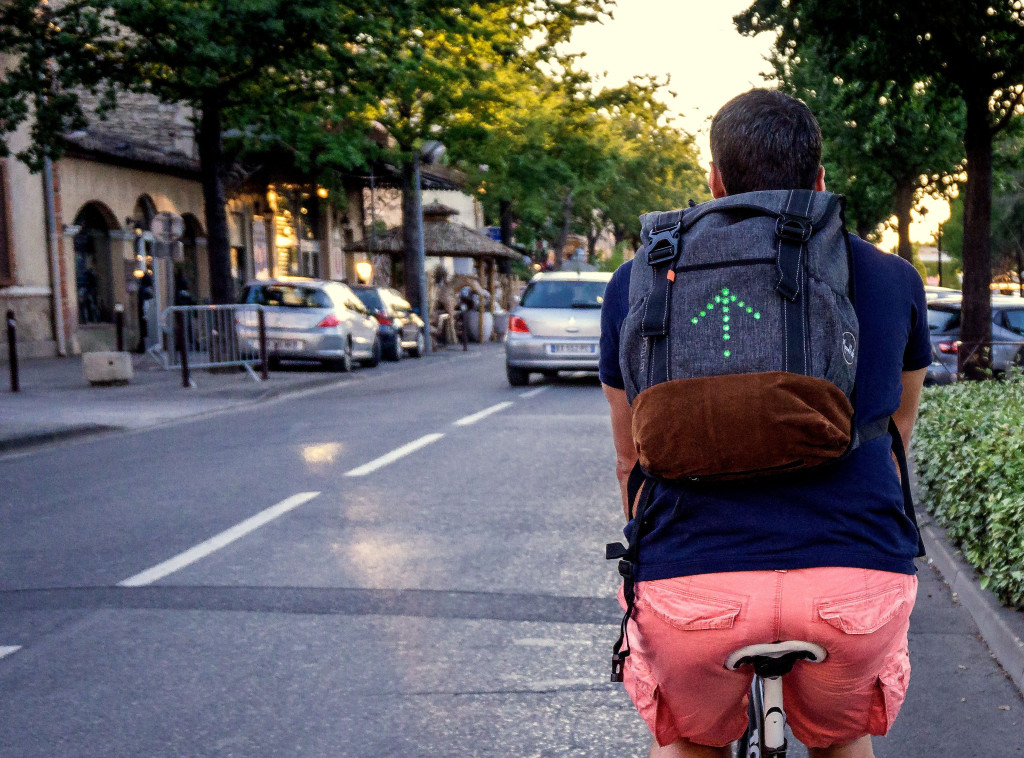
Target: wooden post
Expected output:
[492,266]
[480,305]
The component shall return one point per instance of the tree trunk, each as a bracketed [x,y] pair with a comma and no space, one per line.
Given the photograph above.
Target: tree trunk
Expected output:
[563,235]
[619,234]
[592,244]
[211,169]
[412,238]
[976,317]
[904,203]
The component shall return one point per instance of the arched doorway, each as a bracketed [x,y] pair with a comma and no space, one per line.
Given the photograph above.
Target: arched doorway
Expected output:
[94,279]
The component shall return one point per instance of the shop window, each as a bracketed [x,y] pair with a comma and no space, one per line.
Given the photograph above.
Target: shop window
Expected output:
[6,248]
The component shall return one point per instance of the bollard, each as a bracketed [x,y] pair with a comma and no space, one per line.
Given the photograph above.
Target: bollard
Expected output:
[264,359]
[119,326]
[465,328]
[12,350]
[182,347]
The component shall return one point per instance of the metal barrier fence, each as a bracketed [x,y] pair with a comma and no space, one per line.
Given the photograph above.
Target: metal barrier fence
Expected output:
[212,336]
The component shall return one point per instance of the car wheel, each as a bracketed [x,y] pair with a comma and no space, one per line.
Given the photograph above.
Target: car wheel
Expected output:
[344,363]
[417,352]
[274,363]
[395,352]
[517,377]
[550,375]
[374,358]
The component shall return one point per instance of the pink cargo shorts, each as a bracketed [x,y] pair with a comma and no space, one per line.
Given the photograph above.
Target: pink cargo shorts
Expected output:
[683,629]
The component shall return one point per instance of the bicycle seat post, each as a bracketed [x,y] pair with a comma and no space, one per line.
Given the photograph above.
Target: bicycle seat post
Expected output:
[774,715]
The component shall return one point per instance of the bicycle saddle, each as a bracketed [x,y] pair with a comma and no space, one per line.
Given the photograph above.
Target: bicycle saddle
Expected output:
[775,658]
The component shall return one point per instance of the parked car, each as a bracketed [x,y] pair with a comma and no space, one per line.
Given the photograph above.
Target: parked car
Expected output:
[310,319]
[931,292]
[944,329]
[401,330]
[556,326]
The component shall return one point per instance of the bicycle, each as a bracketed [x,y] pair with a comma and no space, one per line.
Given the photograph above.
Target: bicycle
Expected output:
[766,728]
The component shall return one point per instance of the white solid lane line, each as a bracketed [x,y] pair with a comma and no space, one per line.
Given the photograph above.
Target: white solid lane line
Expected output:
[472,419]
[534,392]
[394,455]
[6,650]
[216,542]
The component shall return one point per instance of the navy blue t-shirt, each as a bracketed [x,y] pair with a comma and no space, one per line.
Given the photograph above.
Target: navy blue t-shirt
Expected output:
[849,514]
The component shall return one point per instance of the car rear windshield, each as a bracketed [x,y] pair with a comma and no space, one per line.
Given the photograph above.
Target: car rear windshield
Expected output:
[286,296]
[942,319]
[371,298]
[564,294]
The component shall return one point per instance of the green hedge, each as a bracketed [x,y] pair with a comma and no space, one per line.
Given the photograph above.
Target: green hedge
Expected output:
[969,455]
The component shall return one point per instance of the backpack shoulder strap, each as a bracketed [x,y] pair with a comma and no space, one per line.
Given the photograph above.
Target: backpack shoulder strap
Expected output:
[908,497]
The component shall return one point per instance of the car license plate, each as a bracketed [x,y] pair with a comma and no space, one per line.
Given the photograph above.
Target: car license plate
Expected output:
[571,348]
[286,345]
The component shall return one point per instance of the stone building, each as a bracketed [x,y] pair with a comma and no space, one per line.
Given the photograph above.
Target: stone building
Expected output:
[114,177]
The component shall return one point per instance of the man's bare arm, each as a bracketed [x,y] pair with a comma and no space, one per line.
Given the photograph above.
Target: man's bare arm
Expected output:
[906,414]
[622,437]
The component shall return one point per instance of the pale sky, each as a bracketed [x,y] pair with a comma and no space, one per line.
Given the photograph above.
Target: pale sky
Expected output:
[696,43]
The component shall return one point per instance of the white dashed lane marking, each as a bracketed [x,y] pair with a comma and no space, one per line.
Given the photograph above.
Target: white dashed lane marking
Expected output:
[216,542]
[533,393]
[6,650]
[473,418]
[394,455]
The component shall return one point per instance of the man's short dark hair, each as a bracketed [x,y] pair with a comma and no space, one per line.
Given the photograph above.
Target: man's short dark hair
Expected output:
[765,140]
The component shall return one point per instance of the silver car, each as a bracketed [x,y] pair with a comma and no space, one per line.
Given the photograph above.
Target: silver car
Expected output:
[310,319]
[944,329]
[556,326]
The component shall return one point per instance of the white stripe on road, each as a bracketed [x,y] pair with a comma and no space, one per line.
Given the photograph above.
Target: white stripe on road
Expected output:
[226,537]
[6,650]
[394,455]
[467,420]
[534,392]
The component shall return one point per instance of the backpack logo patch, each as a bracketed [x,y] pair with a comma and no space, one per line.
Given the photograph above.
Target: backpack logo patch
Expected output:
[849,348]
[728,305]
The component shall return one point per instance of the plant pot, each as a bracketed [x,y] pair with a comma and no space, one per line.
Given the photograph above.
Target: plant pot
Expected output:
[474,325]
[501,324]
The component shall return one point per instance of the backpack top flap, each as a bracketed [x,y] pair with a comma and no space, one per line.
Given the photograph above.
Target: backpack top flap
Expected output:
[725,311]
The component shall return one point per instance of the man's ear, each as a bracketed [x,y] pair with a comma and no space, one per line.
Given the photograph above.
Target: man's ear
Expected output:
[715,183]
[819,182]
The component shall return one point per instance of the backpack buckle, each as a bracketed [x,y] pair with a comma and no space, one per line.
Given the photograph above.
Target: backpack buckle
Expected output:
[618,661]
[664,245]
[794,228]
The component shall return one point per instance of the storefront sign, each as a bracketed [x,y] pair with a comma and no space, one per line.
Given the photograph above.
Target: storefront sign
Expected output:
[260,254]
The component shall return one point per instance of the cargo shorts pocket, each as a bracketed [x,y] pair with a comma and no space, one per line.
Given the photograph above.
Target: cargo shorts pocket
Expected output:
[863,613]
[643,690]
[893,680]
[688,610]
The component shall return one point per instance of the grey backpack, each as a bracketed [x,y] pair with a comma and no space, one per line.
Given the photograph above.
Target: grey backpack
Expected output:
[739,351]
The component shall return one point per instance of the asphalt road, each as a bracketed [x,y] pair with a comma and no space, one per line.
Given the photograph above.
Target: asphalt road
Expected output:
[280,581]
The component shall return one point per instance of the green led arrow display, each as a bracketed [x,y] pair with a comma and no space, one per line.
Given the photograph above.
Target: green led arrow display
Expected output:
[727,305]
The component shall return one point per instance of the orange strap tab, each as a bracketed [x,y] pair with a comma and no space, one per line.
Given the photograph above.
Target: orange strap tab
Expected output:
[671,275]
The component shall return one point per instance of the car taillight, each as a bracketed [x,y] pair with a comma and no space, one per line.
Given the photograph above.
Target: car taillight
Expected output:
[328,322]
[516,324]
[382,319]
[949,347]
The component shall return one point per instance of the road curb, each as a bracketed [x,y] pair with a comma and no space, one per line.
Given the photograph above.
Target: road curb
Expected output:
[1000,627]
[14,444]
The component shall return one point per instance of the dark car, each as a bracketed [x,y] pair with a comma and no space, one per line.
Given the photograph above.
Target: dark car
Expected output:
[401,329]
[944,329]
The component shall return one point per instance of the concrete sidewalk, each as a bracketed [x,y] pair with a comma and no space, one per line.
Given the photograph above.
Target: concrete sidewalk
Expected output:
[56,402]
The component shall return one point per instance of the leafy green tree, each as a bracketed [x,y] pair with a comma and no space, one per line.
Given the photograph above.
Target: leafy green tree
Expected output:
[48,53]
[432,71]
[973,47]
[885,144]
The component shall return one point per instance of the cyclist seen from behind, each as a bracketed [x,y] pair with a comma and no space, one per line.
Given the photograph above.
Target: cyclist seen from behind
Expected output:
[765,369]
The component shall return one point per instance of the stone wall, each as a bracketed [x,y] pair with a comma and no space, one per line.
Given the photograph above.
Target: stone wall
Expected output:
[144,119]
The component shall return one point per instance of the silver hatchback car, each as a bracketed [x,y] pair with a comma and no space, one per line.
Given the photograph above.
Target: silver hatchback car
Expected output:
[313,320]
[556,326]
